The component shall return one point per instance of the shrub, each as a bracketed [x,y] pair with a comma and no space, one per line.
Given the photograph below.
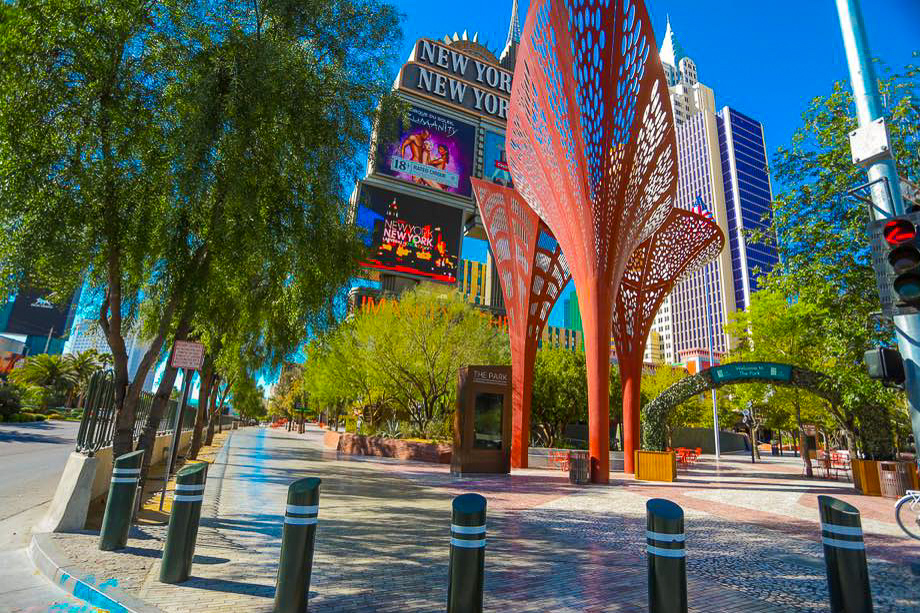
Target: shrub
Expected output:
[10,400]
[27,417]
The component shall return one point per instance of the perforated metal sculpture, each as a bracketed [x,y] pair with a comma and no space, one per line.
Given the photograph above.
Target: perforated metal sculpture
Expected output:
[532,272]
[591,147]
[683,244]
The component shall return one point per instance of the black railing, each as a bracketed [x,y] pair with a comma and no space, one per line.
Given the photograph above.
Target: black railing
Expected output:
[97,426]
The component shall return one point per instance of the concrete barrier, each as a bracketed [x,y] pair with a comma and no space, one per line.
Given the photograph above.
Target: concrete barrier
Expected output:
[87,478]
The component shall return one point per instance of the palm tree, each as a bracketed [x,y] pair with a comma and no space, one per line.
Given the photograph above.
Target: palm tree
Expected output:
[85,364]
[50,377]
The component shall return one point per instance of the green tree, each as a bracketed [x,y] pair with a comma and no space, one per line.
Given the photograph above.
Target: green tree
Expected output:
[47,378]
[824,268]
[560,394]
[187,153]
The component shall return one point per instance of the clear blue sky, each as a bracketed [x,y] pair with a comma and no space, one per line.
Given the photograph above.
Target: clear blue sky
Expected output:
[765,59]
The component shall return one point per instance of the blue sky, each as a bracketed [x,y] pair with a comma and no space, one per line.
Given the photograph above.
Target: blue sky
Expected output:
[765,59]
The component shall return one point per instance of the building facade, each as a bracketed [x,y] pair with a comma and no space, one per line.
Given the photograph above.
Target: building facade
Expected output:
[88,335]
[722,170]
[474,281]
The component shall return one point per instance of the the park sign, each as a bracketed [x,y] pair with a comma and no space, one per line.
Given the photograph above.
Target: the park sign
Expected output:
[769,371]
[463,80]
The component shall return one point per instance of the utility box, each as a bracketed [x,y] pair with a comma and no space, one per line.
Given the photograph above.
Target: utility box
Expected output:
[482,422]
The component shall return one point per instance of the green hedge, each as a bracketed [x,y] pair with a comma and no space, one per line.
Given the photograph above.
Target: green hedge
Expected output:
[24,418]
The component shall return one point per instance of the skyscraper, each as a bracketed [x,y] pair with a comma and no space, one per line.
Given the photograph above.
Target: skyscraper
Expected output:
[723,170]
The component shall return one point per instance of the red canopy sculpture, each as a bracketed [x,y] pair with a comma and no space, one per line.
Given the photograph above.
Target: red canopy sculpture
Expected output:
[533,272]
[591,148]
[684,243]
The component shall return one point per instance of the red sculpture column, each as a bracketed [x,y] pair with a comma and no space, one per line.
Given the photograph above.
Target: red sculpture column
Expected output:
[532,272]
[591,148]
[684,243]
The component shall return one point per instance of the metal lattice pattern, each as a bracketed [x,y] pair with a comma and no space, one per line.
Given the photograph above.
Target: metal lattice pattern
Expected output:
[683,244]
[533,272]
[591,147]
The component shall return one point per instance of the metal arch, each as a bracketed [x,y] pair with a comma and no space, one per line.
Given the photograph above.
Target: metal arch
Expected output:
[533,272]
[591,147]
[655,414]
[684,243]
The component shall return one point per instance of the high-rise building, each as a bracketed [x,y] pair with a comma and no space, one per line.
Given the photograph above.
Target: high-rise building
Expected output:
[474,281]
[571,316]
[88,335]
[722,170]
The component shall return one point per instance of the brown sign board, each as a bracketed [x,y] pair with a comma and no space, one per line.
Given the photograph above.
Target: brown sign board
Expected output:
[187,355]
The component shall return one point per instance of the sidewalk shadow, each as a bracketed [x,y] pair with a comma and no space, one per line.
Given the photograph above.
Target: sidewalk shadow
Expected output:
[232,587]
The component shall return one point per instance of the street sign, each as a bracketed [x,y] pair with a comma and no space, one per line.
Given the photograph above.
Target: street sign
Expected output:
[751,370]
[810,429]
[188,355]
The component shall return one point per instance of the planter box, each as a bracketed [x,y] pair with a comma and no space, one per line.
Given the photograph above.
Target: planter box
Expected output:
[358,444]
[865,477]
[656,465]
[331,439]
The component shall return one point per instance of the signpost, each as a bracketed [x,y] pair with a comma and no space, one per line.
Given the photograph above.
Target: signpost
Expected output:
[188,357]
[752,370]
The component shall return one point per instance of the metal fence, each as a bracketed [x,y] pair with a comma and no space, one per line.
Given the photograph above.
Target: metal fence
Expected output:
[97,426]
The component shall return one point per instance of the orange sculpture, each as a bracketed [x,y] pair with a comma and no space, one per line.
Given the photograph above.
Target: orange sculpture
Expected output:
[684,243]
[532,272]
[591,147]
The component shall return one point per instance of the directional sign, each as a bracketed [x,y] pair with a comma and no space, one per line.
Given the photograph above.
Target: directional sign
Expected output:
[188,355]
[751,370]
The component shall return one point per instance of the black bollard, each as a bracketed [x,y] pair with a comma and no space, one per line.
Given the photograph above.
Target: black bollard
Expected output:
[467,554]
[667,561]
[298,536]
[183,524]
[119,508]
[844,556]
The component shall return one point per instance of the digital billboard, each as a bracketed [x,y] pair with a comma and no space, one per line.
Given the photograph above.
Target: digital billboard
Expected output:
[495,163]
[410,235]
[34,314]
[433,151]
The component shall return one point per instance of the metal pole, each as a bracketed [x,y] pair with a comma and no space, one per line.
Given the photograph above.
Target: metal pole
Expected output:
[467,554]
[298,538]
[177,432]
[48,342]
[868,108]
[709,339]
[667,557]
[844,556]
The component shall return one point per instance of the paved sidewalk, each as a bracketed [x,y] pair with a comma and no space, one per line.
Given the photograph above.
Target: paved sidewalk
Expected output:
[382,540]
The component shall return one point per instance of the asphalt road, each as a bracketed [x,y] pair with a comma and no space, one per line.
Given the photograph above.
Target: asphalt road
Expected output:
[32,457]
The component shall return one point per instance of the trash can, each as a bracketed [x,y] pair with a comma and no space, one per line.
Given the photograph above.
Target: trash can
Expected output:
[579,464]
[893,479]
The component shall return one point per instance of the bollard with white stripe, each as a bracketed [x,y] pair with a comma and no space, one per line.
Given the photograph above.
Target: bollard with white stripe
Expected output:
[183,524]
[119,508]
[844,556]
[667,557]
[297,539]
[467,554]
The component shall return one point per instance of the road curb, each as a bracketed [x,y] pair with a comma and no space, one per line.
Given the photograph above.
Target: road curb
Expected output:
[59,569]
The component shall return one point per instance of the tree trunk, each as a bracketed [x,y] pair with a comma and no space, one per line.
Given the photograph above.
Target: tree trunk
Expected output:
[211,417]
[204,393]
[755,437]
[158,406]
[801,436]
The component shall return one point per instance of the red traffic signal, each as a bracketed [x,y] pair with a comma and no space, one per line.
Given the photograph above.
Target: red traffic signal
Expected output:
[899,231]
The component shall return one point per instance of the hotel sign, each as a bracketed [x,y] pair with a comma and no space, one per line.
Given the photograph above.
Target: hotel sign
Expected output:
[447,75]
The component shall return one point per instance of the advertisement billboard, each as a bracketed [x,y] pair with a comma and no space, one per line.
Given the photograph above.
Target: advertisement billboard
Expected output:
[495,163]
[433,151]
[410,235]
[34,314]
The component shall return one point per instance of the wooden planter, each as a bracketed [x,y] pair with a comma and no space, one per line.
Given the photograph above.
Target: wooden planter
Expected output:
[656,465]
[865,477]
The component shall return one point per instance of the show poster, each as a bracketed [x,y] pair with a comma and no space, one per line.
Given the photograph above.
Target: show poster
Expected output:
[495,163]
[434,151]
[410,235]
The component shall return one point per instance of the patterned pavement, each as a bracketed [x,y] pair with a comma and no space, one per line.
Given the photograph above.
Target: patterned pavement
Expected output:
[752,537]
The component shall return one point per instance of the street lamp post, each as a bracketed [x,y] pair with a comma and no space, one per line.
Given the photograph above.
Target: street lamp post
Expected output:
[710,340]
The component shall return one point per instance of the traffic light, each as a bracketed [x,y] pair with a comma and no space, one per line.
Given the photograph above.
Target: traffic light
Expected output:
[885,365]
[900,235]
